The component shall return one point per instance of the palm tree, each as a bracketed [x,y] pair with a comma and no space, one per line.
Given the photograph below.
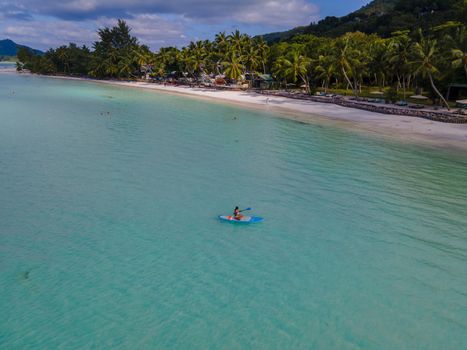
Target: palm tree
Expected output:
[185,61]
[125,66]
[359,57]
[326,69]
[459,53]
[252,61]
[143,58]
[279,68]
[460,59]
[263,50]
[454,40]
[221,41]
[219,52]
[246,42]
[64,56]
[399,59]
[197,56]
[378,60]
[165,56]
[293,67]
[343,61]
[111,62]
[299,68]
[425,53]
[236,41]
[233,66]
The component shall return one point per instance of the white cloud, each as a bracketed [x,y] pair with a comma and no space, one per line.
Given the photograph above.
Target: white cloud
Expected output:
[151,30]
[46,23]
[276,13]
[45,34]
[272,12]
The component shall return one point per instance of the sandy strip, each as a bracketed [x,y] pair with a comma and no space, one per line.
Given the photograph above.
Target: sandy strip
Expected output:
[7,70]
[407,129]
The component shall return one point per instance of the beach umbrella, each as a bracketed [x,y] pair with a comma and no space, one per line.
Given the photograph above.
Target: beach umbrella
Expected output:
[419,97]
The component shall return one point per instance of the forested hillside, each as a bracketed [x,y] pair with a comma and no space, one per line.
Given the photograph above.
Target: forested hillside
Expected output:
[383,17]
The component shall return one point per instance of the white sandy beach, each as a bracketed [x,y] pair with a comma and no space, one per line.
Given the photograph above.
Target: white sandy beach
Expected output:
[407,129]
[8,70]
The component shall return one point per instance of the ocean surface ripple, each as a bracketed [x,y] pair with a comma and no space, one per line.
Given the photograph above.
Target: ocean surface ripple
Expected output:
[109,235]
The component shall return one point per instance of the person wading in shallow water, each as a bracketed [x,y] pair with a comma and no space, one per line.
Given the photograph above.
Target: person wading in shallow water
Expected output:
[236,214]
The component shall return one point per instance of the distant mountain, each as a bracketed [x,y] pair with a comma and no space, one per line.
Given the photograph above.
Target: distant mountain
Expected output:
[10,48]
[383,17]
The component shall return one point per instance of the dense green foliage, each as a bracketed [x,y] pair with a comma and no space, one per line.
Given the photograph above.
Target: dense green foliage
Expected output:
[116,55]
[406,60]
[384,17]
[71,60]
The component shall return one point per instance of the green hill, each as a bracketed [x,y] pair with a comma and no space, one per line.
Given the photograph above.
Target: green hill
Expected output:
[10,48]
[384,17]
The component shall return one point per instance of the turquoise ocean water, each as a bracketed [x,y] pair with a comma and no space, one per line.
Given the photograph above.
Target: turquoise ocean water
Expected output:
[109,238]
[7,65]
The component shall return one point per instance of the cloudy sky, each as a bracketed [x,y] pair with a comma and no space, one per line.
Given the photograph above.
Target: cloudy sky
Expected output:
[50,23]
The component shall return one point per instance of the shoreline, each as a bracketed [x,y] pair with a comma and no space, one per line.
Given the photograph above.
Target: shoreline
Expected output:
[403,128]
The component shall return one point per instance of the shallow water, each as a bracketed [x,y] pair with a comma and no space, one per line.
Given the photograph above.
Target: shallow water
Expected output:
[109,237]
[7,65]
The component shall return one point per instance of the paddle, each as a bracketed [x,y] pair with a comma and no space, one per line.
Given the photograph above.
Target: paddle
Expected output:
[245,209]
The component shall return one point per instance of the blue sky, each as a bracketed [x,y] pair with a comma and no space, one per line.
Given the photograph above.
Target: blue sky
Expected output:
[50,23]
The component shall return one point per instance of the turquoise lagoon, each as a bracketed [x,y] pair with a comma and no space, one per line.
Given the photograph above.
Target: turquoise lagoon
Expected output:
[109,238]
[7,65]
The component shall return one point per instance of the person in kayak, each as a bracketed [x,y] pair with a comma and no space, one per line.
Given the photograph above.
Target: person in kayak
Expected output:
[236,214]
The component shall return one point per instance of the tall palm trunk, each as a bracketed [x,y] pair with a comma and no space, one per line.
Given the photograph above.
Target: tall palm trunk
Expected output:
[404,87]
[250,83]
[348,80]
[326,85]
[437,91]
[305,81]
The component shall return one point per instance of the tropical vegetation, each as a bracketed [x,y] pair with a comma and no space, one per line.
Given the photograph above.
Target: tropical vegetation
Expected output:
[407,60]
[383,17]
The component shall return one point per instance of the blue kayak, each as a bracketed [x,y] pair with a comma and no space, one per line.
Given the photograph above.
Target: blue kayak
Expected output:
[244,220]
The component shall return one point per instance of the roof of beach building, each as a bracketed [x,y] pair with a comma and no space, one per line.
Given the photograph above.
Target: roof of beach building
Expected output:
[265,77]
